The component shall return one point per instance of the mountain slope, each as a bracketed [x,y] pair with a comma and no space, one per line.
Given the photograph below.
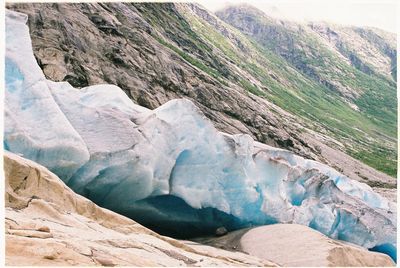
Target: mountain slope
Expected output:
[157,52]
[350,66]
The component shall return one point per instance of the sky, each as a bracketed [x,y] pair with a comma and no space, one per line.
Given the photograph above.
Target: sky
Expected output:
[374,13]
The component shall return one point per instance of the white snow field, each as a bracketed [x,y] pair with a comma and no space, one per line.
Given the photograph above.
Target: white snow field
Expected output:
[169,168]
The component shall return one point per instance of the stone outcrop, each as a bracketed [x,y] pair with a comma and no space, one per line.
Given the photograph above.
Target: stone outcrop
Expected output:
[298,245]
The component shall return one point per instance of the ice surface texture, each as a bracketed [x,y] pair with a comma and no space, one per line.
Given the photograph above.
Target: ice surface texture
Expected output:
[34,124]
[169,167]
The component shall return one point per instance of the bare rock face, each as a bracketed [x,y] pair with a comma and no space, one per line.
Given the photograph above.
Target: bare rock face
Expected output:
[298,245]
[47,224]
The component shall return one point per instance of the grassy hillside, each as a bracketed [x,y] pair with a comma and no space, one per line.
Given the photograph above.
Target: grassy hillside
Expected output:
[368,132]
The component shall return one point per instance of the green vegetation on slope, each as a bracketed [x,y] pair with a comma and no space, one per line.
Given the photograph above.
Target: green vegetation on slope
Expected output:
[368,134]
[363,129]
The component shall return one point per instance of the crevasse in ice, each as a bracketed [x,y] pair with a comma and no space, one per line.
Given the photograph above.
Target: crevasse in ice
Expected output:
[169,168]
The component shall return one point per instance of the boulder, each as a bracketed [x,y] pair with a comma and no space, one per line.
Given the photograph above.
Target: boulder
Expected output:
[221,231]
[298,245]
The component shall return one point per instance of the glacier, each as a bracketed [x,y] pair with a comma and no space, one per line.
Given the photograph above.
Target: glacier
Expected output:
[169,168]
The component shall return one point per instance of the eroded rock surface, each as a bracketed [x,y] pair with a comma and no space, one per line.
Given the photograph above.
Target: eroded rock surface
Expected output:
[297,245]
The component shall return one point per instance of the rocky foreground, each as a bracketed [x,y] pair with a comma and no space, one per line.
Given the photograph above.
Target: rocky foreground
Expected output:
[48,224]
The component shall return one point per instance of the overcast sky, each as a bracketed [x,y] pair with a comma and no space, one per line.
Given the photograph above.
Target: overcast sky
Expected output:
[375,13]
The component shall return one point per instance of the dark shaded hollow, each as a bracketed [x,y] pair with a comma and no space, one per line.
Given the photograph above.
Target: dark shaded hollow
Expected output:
[172,216]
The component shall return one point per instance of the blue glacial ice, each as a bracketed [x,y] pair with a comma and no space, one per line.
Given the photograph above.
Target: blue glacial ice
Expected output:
[35,126]
[169,168]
